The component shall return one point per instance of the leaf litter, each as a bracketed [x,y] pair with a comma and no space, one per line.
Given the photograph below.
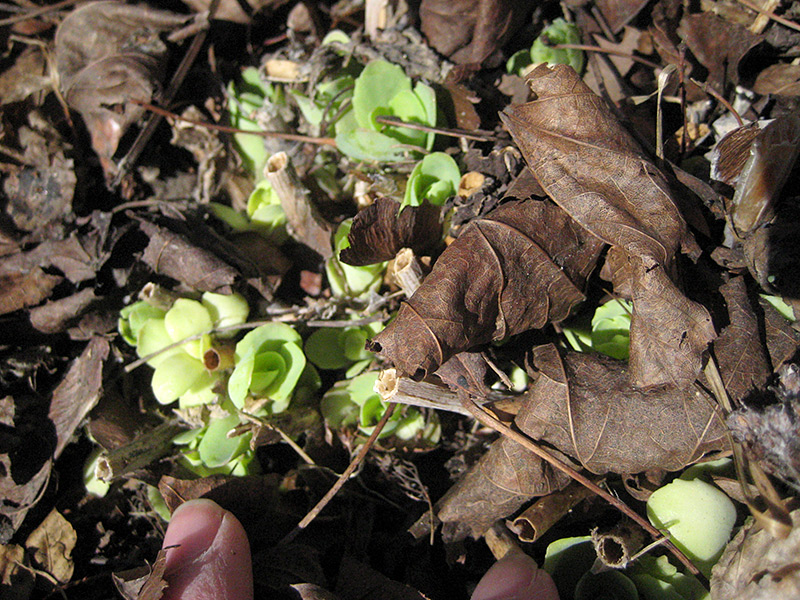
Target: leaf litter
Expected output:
[568,207]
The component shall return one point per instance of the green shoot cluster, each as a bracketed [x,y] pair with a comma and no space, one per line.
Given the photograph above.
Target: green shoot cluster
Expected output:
[542,51]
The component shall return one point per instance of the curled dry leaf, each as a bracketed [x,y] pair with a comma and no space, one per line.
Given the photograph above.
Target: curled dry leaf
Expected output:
[583,406]
[524,264]
[378,233]
[107,54]
[755,565]
[52,543]
[593,169]
[469,31]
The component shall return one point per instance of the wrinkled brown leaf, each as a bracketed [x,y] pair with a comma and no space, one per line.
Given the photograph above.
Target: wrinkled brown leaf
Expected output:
[773,254]
[238,11]
[378,233]
[719,45]
[583,406]
[469,31]
[56,316]
[741,357]
[78,392]
[756,566]
[107,54]
[17,580]
[782,339]
[782,79]
[618,13]
[26,76]
[19,290]
[593,169]
[52,543]
[143,583]
[521,266]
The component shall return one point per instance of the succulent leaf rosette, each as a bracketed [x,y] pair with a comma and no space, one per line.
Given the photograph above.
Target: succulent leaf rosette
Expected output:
[542,50]
[269,363]
[383,89]
[334,348]
[435,178]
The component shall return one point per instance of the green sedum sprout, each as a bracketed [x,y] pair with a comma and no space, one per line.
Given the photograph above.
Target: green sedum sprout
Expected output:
[383,89]
[334,348]
[542,51]
[435,178]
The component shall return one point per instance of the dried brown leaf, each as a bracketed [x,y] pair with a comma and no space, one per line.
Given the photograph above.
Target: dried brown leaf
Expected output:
[357,581]
[143,583]
[107,54]
[78,392]
[618,13]
[524,264]
[593,169]
[756,566]
[378,232]
[19,290]
[718,45]
[56,316]
[782,79]
[469,31]
[741,357]
[52,543]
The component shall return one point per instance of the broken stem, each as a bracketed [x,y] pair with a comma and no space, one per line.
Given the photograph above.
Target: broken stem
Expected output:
[477,135]
[490,421]
[292,137]
[362,453]
[612,51]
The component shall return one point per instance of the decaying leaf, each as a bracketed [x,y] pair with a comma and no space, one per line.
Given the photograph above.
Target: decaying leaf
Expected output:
[17,580]
[28,288]
[52,543]
[469,31]
[584,407]
[522,265]
[782,79]
[78,392]
[107,54]
[741,357]
[593,169]
[143,583]
[378,233]
[756,566]
[358,581]
[238,11]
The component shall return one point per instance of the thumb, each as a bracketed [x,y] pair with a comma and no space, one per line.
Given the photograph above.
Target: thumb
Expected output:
[210,559]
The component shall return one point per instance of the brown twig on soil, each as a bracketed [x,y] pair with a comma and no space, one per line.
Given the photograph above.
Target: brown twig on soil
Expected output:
[292,137]
[547,511]
[32,14]
[483,416]
[771,15]
[719,98]
[362,453]
[477,135]
[612,51]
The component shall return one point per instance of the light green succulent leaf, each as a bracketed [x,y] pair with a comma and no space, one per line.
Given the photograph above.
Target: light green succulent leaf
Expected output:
[357,367]
[334,36]
[157,502]
[269,333]
[233,218]
[435,178]
[410,425]
[308,108]
[267,367]
[367,145]
[239,381]
[133,317]
[338,410]
[371,412]
[378,83]
[174,376]
[559,32]
[201,392]
[567,559]
[657,578]
[353,341]
[518,62]
[283,387]
[188,437]
[778,304]
[153,337]
[698,516]
[94,485]
[407,107]
[187,318]
[324,349]
[215,448]
[226,310]
[427,98]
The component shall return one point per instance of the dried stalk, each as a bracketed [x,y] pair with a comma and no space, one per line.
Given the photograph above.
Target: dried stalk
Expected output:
[547,511]
[617,547]
[305,224]
[406,270]
[139,453]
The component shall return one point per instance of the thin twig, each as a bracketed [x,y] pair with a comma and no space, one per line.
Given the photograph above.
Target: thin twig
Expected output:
[611,51]
[487,419]
[477,135]
[771,15]
[293,137]
[719,98]
[362,453]
[26,16]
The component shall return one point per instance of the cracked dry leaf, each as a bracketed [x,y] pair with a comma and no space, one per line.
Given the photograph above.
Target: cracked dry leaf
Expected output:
[52,543]
[583,406]
[108,53]
[592,168]
[521,266]
[378,232]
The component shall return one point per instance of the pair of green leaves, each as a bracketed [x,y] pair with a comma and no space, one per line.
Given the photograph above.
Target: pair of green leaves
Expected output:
[542,51]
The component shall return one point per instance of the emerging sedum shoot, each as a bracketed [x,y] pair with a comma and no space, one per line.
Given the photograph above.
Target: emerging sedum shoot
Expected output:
[435,178]
[347,280]
[542,51]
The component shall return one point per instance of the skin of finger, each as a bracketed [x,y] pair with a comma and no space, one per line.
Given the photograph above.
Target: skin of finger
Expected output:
[515,577]
[208,556]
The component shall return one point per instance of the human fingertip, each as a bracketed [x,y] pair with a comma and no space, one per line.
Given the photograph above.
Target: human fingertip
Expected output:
[515,577]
